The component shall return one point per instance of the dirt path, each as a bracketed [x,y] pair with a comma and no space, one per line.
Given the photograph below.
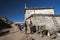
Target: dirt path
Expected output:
[16,34]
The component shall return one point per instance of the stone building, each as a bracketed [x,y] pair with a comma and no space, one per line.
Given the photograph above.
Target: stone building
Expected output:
[42,16]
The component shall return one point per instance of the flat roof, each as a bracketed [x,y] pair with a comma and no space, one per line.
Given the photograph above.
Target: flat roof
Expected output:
[39,8]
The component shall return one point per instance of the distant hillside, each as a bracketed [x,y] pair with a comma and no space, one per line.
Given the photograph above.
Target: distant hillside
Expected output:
[5,25]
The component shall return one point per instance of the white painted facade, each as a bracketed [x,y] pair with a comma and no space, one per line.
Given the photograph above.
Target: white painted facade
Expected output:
[38,11]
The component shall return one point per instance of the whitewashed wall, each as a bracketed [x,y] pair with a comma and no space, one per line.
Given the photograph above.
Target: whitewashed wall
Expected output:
[39,11]
[43,20]
[28,13]
[44,11]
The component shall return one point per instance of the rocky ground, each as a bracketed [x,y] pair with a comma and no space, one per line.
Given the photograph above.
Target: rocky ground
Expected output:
[16,34]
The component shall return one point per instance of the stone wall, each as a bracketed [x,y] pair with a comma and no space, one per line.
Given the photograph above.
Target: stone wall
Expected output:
[45,20]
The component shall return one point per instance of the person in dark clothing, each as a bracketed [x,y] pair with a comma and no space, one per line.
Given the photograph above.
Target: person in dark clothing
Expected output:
[44,32]
[34,29]
[31,30]
[25,27]
[38,29]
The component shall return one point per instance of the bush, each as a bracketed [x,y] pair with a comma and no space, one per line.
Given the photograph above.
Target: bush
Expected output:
[43,27]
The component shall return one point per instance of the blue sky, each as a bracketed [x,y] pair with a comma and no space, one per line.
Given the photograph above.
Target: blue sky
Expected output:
[14,9]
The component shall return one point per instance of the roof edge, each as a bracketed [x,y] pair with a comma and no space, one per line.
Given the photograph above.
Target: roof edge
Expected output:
[39,8]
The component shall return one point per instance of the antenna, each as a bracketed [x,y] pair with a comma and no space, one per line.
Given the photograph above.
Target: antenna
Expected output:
[25,5]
